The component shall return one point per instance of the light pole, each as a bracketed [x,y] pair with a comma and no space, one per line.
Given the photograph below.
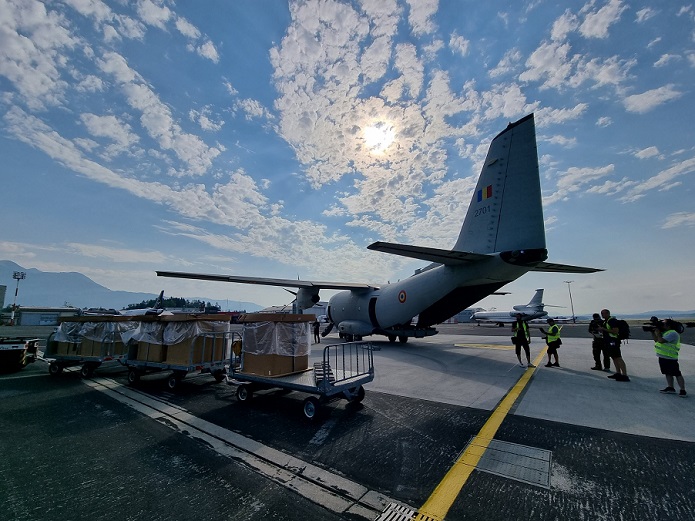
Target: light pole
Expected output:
[17,275]
[568,282]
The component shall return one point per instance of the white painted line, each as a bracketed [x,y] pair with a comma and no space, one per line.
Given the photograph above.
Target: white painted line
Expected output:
[324,488]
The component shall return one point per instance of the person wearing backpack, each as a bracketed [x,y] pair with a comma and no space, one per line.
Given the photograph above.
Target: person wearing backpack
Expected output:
[667,344]
[611,337]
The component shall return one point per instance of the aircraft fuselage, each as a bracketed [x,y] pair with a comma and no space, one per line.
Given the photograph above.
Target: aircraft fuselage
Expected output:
[363,312]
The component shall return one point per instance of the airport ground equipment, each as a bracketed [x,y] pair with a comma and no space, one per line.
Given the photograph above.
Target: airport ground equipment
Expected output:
[17,352]
[87,342]
[179,344]
[341,373]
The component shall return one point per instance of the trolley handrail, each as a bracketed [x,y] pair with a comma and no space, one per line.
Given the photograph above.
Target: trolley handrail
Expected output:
[344,363]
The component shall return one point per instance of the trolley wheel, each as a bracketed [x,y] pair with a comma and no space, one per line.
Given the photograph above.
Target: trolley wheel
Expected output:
[174,380]
[133,377]
[357,395]
[54,369]
[243,393]
[218,375]
[87,370]
[311,407]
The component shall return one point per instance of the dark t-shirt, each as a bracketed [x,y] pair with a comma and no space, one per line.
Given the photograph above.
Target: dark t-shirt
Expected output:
[611,323]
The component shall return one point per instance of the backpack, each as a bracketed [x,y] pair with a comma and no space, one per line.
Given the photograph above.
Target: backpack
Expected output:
[623,330]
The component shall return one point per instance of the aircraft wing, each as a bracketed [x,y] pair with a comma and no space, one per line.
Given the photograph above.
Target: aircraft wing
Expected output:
[449,257]
[550,267]
[263,281]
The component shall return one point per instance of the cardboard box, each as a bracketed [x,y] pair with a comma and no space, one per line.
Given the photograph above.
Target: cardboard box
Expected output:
[118,349]
[202,350]
[273,365]
[151,352]
[92,348]
[67,348]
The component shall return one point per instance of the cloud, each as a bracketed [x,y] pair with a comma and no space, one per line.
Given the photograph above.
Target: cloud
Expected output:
[153,14]
[678,220]
[649,100]
[664,180]
[110,127]
[597,23]
[32,42]
[579,180]
[666,59]
[647,153]
[120,255]
[420,16]
[204,119]
[157,119]
[459,44]
[645,14]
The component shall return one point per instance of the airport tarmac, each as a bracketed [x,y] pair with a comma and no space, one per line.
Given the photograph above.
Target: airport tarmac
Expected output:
[573,444]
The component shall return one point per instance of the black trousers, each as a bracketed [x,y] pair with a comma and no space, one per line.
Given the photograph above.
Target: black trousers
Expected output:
[598,348]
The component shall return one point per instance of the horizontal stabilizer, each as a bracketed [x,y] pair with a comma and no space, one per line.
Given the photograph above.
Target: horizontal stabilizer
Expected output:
[448,257]
[551,267]
[263,281]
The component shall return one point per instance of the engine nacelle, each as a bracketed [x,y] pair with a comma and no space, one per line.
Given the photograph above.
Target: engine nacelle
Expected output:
[307,297]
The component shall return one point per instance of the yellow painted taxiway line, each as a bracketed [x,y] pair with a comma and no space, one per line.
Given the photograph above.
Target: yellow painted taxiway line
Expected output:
[446,492]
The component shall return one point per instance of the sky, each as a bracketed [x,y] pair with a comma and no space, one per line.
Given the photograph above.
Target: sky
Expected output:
[279,139]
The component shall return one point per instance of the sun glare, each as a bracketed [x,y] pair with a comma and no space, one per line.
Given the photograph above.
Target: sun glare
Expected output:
[378,137]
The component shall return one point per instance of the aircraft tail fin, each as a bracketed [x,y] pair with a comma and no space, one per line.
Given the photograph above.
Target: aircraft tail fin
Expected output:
[537,299]
[506,211]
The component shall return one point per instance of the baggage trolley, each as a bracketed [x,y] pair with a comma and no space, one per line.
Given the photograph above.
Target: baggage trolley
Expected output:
[85,343]
[206,353]
[341,373]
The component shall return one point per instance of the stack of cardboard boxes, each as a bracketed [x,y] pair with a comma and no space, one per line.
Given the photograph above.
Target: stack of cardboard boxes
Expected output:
[275,344]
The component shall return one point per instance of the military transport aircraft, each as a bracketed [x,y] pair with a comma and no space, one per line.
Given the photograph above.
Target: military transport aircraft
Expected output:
[502,238]
[534,309]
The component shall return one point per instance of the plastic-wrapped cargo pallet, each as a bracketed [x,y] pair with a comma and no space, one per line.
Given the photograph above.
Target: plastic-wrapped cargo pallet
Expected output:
[275,344]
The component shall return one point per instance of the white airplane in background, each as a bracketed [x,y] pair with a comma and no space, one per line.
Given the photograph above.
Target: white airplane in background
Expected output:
[534,309]
[157,309]
[502,238]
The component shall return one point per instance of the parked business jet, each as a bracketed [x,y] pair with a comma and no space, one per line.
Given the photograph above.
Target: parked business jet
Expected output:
[157,309]
[502,238]
[534,309]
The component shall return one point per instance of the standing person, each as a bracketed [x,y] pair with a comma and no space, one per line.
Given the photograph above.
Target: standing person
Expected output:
[317,330]
[610,337]
[598,346]
[521,338]
[667,344]
[553,341]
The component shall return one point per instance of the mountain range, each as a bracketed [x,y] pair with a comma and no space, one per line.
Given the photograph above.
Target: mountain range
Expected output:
[51,289]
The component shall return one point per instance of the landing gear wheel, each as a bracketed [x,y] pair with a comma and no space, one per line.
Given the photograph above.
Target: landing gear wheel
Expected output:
[243,393]
[54,369]
[392,338]
[133,377]
[402,339]
[311,407]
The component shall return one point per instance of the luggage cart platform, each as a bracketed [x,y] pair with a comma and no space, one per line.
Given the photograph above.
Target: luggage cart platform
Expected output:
[341,373]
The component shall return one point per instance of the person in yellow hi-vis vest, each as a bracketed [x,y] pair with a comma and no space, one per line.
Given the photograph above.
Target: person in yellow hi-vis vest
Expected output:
[667,344]
[553,341]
